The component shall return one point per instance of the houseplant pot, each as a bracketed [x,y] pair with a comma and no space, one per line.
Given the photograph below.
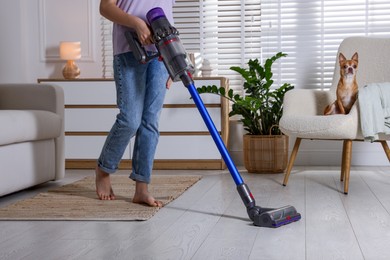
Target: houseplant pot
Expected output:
[260,109]
[265,153]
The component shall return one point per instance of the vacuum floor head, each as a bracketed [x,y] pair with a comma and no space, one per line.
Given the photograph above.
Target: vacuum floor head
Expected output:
[276,217]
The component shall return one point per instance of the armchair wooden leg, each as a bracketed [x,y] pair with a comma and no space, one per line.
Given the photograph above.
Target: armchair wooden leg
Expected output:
[291,161]
[386,148]
[346,163]
[342,172]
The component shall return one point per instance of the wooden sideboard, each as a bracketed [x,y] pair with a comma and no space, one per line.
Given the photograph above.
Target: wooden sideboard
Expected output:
[185,142]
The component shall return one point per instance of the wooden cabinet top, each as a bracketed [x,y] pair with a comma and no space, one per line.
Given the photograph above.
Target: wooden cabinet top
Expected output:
[111,79]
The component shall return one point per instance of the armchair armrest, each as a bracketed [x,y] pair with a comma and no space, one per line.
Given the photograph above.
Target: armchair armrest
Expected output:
[306,102]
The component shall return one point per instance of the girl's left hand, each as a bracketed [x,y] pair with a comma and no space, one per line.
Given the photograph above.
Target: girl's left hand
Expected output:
[169,82]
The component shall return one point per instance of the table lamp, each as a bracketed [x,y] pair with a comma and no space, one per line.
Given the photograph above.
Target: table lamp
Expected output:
[70,51]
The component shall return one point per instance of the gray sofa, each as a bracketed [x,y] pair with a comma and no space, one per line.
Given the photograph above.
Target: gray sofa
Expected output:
[31,135]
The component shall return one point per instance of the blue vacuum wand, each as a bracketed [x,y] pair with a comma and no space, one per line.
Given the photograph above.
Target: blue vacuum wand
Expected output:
[179,67]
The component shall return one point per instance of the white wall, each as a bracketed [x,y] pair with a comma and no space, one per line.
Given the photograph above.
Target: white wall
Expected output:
[30,34]
[32,29]
[11,56]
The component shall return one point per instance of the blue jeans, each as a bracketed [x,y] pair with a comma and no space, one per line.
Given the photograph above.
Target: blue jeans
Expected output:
[140,96]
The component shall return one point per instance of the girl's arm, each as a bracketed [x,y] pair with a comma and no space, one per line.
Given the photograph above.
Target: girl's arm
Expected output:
[109,10]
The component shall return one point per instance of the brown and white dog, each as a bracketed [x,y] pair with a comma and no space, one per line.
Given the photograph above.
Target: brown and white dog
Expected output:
[347,87]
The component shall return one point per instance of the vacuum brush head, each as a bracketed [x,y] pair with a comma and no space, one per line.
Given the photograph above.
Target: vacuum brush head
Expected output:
[276,217]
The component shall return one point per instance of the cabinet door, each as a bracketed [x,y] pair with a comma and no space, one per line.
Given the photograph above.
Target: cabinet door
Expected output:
[89,92]
[187,119]
[89,119]
[87,147]
[197,147]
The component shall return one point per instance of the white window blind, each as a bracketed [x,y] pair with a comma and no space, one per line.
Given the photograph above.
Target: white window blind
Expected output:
[225,32]
[186,14]
[230,35]
[310,31]
[107,51]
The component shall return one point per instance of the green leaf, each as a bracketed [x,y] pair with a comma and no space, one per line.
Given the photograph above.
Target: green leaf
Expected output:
[237,97]
[230,93]
[222,91]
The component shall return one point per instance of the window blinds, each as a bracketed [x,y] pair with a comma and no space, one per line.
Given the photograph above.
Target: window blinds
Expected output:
[107,51]
[310,31]
[225,32]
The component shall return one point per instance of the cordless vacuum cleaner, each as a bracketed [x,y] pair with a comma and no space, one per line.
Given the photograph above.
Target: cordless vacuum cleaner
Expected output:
[172,53]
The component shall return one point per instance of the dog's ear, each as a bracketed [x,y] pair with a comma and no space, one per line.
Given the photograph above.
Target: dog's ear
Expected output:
[341,57]
[355,57]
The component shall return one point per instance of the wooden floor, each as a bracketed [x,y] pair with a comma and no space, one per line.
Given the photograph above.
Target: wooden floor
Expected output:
[209,221]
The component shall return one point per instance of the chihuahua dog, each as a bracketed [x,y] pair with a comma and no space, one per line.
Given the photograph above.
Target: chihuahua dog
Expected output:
[347,87]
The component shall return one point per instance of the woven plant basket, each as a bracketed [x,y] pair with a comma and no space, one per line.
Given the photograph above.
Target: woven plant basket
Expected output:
[265,153]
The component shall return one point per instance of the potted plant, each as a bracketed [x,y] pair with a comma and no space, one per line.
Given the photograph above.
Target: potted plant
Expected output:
[260,108]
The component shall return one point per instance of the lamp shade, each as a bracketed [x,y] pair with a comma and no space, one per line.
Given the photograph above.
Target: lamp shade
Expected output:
[70,50]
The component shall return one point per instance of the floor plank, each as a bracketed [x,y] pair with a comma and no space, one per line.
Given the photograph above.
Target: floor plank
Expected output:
[233,235]
[286,242]
[327,223]
[369,218]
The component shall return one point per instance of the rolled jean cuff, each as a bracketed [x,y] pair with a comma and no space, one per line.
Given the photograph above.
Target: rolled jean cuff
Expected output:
[106,170]
[137,177]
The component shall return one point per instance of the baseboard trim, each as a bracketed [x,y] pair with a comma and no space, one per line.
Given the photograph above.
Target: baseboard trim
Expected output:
[187,164]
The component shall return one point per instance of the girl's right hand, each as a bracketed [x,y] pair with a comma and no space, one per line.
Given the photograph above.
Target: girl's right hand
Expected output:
[143,32]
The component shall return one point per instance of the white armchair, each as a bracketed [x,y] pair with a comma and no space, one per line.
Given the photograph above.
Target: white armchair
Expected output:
[303,108]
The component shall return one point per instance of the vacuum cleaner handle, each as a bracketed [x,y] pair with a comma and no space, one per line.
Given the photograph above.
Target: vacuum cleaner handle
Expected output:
[138,50]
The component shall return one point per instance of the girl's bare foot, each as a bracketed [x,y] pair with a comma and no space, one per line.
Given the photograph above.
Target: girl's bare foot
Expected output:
[103,185]
[142,195]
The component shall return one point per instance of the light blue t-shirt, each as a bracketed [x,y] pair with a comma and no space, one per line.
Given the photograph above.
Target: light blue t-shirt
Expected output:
[137,8]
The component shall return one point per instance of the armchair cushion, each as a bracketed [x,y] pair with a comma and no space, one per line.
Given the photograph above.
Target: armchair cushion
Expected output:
[306,102]
[320,127]
[303,117]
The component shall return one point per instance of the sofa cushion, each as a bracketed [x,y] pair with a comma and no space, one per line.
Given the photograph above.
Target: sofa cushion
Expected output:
[28,125]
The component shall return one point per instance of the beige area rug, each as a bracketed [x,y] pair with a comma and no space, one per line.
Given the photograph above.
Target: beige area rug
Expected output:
[78,201]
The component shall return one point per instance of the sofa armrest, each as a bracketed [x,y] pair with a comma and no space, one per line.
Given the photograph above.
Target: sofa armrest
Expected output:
[306,102]
[32,97]
[38,97]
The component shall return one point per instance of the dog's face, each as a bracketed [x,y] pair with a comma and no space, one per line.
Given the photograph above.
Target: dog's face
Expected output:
[348,68]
